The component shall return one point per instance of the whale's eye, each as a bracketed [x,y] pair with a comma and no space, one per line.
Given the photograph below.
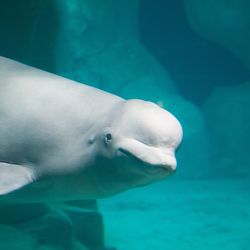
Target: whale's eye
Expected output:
[108,138]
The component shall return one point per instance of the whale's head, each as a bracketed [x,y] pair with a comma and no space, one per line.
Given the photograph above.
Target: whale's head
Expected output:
[137,146]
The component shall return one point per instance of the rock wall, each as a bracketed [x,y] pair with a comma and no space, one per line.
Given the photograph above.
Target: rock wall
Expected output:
[224,21]
[226,111]
[227,115]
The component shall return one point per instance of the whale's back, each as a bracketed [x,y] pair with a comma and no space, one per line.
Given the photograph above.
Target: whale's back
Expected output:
[40,110]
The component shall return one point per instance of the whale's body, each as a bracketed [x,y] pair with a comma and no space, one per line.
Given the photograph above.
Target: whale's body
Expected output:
[62,140]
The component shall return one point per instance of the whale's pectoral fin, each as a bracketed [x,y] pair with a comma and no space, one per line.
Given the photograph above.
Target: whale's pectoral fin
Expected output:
[13,177]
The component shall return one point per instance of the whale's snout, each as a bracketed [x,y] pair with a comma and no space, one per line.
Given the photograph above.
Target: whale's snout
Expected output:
[163,159]
[148,155]
[170,163]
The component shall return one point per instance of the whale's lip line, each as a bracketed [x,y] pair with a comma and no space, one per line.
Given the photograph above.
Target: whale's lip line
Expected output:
[160,166]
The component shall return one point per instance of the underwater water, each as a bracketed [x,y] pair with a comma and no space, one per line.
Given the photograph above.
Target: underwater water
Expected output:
[191,57]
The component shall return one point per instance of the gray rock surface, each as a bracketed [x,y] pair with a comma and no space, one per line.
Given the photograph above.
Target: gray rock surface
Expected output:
[102,47]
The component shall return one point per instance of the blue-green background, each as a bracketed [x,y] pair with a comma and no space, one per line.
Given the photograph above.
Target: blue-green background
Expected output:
[192,57]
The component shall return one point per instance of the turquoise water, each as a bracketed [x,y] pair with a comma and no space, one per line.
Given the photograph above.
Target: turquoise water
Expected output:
[189,56]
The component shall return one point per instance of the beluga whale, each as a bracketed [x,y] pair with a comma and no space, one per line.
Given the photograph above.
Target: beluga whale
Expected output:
[63,140]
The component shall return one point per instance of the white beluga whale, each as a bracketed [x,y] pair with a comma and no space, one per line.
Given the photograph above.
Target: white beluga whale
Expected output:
[63,140]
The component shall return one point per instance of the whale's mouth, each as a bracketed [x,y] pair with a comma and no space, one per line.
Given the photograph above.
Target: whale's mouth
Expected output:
[151,166]
[147,155]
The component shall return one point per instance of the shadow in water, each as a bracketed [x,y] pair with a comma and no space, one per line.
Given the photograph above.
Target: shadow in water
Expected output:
[195,64]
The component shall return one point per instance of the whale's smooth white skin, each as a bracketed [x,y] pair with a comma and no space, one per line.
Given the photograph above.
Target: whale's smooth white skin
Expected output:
[63,140]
